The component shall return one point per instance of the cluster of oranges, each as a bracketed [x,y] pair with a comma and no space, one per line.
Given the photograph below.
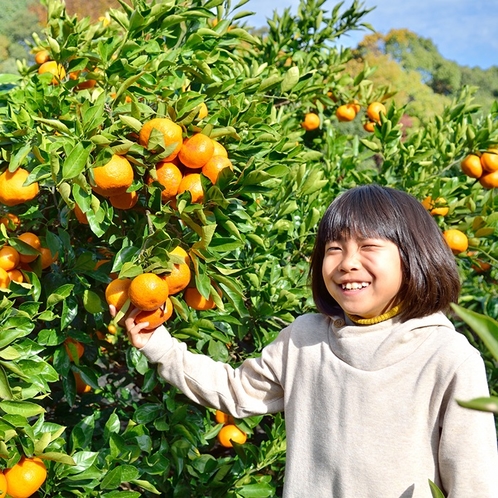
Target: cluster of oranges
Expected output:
[23,479]
[13,262]
[347,112]
[181,170]
[484,167]
[229,433]
[149,292]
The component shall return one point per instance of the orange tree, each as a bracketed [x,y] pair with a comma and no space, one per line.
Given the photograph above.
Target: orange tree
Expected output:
[73,393]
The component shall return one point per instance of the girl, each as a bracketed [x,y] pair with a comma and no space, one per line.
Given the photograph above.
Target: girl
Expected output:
[368,385]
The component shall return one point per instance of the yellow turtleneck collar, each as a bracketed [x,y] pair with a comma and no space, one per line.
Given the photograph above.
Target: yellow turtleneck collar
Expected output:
[376,319]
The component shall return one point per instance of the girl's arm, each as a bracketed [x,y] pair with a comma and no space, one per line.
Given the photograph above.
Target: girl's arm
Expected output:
[468,457]
[254,388]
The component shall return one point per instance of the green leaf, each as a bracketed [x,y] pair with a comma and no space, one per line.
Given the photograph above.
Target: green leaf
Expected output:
[484,326]
[489,404]
[75,163]
[22,408]
[435,491]
[290,80]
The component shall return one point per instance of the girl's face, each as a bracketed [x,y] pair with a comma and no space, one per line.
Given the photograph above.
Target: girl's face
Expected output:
[364,276]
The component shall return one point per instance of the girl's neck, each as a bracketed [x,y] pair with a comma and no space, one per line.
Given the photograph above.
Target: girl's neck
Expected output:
[358,320]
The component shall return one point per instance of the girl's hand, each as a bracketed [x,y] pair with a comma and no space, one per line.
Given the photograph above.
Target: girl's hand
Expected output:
[134,331]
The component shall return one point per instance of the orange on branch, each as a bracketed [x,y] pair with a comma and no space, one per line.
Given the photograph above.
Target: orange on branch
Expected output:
[311,121]
[114,177]
[126,200]
[116,293]
[489,160]
[489,180]
[3,485]
[9,258]
[369,126]
[178,278]
[32,240]
[25,477]
[346,112]
[231,433]
[148,291]
[203,111]
[80,215]
[223,418]
[215,166]
[12,188]
[4,279]
[54,68]
[456,240]
[219,150]
[471,166]
[196,151]
[81,386]
[42,56]
[170,177]
[156,317]
[374,110]
[437,207]
[192,183]
[16,276]
[197,301]
[171,132]
[74,348]
[11,221]
[46,257]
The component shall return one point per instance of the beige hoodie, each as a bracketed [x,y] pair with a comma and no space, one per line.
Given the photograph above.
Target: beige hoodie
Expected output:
[370,411]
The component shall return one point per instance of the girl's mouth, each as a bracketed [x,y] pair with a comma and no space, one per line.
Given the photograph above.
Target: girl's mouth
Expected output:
[354,285]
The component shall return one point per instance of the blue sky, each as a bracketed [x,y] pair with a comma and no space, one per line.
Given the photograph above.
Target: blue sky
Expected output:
[464,31]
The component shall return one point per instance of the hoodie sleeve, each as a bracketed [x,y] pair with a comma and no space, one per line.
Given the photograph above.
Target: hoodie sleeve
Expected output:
[468,457]
[254,388]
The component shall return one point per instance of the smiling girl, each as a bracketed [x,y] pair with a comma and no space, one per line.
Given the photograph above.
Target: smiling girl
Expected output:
[369,384]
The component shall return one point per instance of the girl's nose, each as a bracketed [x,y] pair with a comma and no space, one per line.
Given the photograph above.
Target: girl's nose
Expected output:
[350,261]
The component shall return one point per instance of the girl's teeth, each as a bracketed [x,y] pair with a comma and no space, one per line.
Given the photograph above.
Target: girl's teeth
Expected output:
[354,285]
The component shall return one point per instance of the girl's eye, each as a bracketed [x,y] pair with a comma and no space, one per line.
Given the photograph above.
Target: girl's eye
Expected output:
[333,248]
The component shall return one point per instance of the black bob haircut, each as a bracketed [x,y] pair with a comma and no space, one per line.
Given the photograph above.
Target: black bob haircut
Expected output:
[430,276]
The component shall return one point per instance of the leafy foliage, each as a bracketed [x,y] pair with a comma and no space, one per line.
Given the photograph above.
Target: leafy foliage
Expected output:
[249,241]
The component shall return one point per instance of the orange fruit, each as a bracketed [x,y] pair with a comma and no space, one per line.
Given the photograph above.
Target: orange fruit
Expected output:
[196,151]
[219,150]
[12,189]
[456,240]
[374,109]
[178,278]
[9,258]
[223,418]
[112,329]
[116,293]
[180,251]
[231,433]
[32,240]
[346,112]
[311,121]
[156,317]
[435,207]
[81,386]
[25,477]
[53,68]
[148,291]
[196,301]
[73,348]
[80,215]
[369,126]
[471,166]
[3,485]
[11,221]
[16,276]
[170,177]
[489,160]
[192,183]
[114,177]
[46,257]
[489,180]
[126,200]
[356,106]
[203,111]
[215,166]
[42,56]
[172,135]
[4,279]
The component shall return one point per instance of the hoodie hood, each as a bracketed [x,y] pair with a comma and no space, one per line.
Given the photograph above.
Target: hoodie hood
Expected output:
[373,347]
